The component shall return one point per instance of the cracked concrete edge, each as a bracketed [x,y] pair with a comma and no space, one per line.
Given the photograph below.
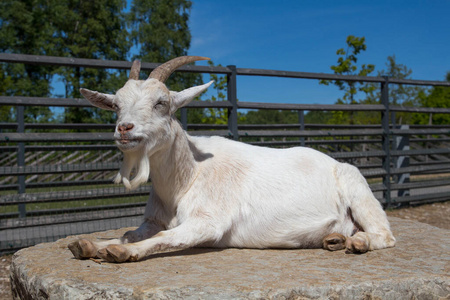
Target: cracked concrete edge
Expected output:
[414,288]
[28,285]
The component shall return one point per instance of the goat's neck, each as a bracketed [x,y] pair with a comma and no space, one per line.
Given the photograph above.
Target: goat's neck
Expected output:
[173,169]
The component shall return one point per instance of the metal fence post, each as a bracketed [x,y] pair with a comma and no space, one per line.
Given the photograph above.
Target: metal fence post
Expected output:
[184,118]
[21,157]
[301,120]
[386,140]
[402,144]
[232,97]
[393,117]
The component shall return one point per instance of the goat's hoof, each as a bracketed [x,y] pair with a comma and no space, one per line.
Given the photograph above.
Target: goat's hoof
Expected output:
[114,253]
[356,245]
[334,242]
[131,237]
[83,249]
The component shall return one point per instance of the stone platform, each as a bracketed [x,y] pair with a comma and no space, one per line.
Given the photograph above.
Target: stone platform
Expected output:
[417,268]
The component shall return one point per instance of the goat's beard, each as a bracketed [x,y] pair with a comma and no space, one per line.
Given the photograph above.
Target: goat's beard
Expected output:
[137,160]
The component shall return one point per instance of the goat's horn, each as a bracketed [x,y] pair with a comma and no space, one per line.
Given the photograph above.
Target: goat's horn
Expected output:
[163,71]
[135,69]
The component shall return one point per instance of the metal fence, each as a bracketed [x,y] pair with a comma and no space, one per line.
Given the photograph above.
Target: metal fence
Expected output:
[55,179]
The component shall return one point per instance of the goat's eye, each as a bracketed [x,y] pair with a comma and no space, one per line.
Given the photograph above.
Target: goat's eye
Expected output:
[160,105]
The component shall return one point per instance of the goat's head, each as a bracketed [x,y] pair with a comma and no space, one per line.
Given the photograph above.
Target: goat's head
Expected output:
[144,112]
[144,107]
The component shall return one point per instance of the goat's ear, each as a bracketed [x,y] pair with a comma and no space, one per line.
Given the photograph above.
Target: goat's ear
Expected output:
[104,101]
[180,99]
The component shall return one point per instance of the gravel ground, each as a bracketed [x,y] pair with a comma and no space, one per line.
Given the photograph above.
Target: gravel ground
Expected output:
[436,214]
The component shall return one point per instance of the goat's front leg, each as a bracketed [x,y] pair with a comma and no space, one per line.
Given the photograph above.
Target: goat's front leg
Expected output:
[83,248]
[186,235]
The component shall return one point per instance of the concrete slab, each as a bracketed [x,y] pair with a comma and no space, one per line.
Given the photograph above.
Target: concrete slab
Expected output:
[417,268]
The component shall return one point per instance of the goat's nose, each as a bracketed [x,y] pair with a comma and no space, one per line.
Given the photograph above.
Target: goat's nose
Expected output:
[124,127]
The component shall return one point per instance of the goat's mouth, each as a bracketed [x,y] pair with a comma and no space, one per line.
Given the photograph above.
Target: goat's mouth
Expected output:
[128,143]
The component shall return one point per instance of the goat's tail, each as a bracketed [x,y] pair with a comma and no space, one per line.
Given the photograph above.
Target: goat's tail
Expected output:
[365,208]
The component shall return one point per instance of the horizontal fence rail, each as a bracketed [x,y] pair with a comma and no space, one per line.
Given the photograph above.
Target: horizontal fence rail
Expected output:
[56,178]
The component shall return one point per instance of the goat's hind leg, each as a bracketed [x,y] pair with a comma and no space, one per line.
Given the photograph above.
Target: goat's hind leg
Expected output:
[366,213]
[375,233]
[85,249]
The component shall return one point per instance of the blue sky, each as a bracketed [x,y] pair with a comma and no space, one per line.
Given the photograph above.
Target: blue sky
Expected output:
[304,36]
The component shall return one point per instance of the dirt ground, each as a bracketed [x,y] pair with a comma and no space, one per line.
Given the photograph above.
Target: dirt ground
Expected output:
[436,214]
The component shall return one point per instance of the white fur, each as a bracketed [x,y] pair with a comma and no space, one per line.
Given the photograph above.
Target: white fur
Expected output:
[212,191]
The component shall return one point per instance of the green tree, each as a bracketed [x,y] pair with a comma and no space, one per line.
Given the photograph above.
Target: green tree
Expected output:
[347,66]
[399,94]
[264,116]
[91,29]
[98,29]
[217,92]
[160,32]
[24,28]
[6,112]
[74,28]
[439,97]
[319,117]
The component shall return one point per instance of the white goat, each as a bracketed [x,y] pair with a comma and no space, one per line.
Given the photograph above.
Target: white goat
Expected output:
[215,192]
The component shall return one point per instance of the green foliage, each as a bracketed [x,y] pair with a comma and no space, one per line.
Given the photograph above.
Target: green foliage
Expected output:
[264,116]
[399,94]
[346,65]
[160,30]
[217,116]
[438,97]
[88,29]
[91,29]
[319,117]
[24,28]
[212,115]
[6,112]
[85,29]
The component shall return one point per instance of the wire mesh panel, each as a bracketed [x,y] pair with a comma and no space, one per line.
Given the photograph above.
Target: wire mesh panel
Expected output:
[60,184]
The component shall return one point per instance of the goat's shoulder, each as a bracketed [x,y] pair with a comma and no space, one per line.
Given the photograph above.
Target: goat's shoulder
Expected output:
[217,144]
